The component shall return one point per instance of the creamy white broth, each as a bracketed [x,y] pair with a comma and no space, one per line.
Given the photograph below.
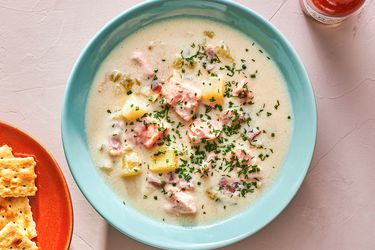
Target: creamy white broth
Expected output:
[162,43]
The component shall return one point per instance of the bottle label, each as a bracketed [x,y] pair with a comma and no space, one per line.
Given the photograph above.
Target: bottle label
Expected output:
[320,17]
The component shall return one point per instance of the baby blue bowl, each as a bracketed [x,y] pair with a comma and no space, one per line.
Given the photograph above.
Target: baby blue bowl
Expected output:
[127,219]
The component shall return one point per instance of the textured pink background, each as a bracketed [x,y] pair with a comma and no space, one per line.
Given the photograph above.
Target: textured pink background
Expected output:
[335,208]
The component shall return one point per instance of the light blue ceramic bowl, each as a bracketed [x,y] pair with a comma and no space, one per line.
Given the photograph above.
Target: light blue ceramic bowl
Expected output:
[148,230]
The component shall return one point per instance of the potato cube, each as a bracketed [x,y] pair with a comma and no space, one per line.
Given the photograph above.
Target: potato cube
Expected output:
[131,165]
[164,161]
[213,92]
[134,107]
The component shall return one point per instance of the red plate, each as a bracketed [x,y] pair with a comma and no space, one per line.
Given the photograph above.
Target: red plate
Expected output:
[52,205]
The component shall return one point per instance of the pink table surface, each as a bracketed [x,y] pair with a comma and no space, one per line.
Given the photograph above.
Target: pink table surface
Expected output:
[335,208]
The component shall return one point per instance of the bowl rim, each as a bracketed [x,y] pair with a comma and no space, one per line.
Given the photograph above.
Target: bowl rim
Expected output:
[147,4]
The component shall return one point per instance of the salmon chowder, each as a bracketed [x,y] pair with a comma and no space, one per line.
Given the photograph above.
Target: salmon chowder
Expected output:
[189,121]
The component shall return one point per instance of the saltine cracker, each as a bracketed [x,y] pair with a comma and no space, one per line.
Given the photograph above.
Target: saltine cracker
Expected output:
[6,152]
[17,177]
[13,237]
[18,210]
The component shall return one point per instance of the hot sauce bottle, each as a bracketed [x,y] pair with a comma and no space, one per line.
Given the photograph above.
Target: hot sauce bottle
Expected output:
[331,11]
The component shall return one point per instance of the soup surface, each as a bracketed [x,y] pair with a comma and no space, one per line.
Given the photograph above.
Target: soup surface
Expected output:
[189,121]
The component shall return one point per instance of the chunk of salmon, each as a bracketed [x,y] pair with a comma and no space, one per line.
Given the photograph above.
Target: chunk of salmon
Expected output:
[115,146]
[180,202]
[210,52]
[243,154]
[173,180]
[201,130]
[184,99]
[228,184]
[242,90]
[232,185]
[148,132]
[139,58]
[180,183]
[232,117]
[204,168]
[185,185]
[153,181]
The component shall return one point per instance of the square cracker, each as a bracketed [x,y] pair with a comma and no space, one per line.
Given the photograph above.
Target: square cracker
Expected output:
[6,152]
[12,237]
[17,177]
[17,210]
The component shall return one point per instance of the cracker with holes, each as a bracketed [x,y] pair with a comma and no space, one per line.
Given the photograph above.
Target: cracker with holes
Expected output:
[17,210]
[13,237]
[17,177]
[6,152]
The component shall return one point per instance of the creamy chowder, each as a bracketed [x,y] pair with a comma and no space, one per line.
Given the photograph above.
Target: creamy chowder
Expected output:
[189,121]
